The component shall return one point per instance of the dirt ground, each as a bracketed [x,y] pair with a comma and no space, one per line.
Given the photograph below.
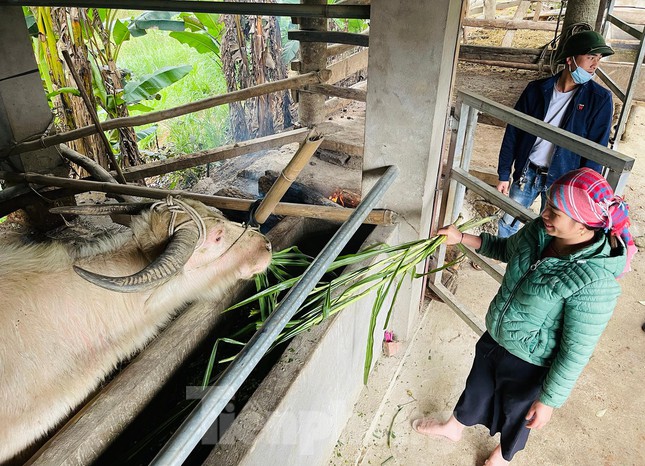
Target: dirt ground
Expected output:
[601,423]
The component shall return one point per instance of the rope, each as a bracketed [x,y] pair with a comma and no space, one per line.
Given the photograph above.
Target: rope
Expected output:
[176,206]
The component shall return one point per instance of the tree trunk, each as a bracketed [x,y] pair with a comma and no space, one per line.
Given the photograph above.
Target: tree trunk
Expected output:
[71,109]
[252,55]
[578,11]
[112,80]
[581,11]
[236,72]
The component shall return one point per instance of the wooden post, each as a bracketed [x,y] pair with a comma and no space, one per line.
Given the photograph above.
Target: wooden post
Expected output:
[311,107]
[521,10]
[288,176]
[490,9]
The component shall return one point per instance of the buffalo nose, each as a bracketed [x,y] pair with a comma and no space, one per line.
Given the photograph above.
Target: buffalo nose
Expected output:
[268,246]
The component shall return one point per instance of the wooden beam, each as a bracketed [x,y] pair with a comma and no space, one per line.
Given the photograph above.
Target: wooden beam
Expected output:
[160,115]
[226,8]
[348,66]
[182,162]
[337,49]
[508,24]
[509,64]
[334,37]
[500,6]
[337,91]
[332,214]
[521,10]
[505,54]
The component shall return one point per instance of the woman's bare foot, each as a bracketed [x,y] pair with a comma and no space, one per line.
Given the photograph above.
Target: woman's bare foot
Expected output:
[451,429]
[496,458]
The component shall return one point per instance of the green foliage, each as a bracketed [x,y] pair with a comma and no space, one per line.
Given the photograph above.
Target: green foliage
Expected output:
[201,42]
[162,20]
[382,279]
[190,133]
[148,86]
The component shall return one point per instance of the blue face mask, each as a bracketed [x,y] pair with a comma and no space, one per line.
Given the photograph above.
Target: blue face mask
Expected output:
[580,75]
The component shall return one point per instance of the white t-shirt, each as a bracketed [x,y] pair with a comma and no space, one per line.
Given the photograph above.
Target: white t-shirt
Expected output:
[543,150]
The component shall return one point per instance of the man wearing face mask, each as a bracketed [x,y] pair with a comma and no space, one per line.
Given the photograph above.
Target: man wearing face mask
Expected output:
[570,100]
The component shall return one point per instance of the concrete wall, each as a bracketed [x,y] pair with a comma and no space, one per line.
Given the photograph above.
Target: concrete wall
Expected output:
[24,112]
[411,63]
[300,409]
[298,413]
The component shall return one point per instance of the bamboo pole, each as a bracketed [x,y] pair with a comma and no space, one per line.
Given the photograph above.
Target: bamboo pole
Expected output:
[287,176]
[333,214]
[181,162]
[314,77]
[94,116]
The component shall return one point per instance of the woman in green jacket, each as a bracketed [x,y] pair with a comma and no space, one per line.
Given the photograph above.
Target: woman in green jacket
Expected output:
[555,300]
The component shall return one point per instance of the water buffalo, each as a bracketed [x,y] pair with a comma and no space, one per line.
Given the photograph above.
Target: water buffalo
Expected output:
[69,314]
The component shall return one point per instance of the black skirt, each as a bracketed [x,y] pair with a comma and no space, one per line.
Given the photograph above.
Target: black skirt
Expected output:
[499,391]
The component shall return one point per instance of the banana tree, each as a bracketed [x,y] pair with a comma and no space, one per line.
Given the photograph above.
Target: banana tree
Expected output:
[52,29]
[94,39]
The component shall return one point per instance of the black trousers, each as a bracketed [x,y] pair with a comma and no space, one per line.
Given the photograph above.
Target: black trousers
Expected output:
[499,391]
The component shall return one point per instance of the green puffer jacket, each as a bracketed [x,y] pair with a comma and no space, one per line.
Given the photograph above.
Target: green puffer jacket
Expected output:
[552,311]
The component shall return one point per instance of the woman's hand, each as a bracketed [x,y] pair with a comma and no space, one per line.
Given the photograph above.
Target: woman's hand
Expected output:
[454,236]
[538,416]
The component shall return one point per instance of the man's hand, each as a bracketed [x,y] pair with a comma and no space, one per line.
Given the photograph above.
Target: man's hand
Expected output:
[502,187]
[538,416]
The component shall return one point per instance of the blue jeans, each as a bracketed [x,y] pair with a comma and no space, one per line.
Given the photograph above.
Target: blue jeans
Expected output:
[524,191]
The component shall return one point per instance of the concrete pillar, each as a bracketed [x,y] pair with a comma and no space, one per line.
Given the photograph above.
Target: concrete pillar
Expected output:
[411,66]
[24,112]
[311,107]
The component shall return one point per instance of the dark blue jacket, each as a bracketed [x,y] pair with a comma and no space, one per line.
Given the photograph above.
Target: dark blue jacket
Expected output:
[589,115]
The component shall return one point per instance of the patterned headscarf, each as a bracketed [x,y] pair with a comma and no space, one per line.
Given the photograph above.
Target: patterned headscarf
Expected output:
[585,196]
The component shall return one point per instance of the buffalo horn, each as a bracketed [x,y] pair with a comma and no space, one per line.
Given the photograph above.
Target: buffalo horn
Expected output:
[169,263]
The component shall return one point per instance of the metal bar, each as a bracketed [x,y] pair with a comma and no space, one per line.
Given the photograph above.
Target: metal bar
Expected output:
[492,195]
[611,84]
[493,270]
[453,190]
[618,181]
[620,24]
[464,161]
[591,150]
[209,408]
[227,8]
[461,310]
[629,94]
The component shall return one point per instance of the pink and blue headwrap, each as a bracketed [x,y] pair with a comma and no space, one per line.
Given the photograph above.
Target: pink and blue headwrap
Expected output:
[585,196]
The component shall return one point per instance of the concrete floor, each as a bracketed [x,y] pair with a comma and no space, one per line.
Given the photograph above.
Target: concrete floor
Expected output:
[601,423]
